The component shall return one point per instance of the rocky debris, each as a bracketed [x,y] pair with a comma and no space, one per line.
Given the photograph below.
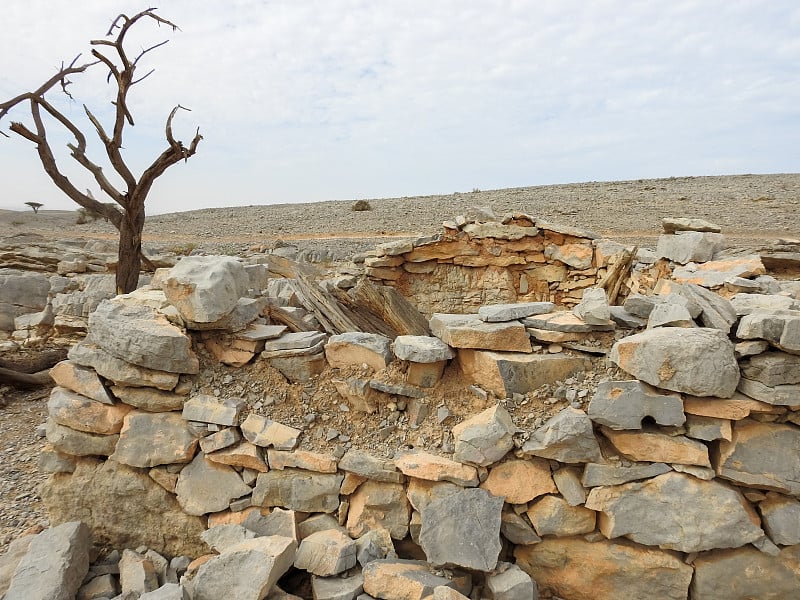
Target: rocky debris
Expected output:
[54,565]
[692,361]
[624,405]
[466,331]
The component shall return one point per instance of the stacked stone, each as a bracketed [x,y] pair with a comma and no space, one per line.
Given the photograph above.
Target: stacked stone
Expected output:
[680,480]
[482,260]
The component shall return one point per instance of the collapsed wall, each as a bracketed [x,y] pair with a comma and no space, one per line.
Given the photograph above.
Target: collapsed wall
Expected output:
[682,478]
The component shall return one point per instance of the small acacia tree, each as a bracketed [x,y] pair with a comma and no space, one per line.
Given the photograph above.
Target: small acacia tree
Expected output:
[130,196]
[35,206]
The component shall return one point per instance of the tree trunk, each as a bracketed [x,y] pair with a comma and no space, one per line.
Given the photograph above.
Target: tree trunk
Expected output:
[130,249]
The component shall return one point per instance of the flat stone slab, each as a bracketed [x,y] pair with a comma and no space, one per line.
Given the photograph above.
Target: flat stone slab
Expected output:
[423,465]
[689,246]
[421,349]
[261,431]
[81,380]
[210,409]
[120,371]
[596,474]
[497,313]
[468,331]
[567,322]
[655,446]
[84,414]
[674,224]
[295,341]
[624,404]
[205,289]
[772,368]
[699,515]
[484,438]
[715,273]
[519,481]
[151,439]
[299,490]
[357,348]
[566,437]
[779,395]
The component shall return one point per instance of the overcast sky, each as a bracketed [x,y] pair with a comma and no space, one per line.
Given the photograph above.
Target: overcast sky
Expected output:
[309,100]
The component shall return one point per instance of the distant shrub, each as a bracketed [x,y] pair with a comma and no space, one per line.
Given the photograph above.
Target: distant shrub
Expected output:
[361,205]
[183,249]
[476,190]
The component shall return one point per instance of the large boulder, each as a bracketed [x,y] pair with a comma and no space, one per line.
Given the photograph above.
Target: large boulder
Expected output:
[206,288]
[698,361]
[21,293]
[124,508]
[676,512]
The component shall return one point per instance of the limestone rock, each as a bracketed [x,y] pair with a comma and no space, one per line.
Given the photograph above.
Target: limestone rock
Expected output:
[689,246]
[244,455]
[744,304]
[468,331]
[566,437]
[484,438]
[507,373]
[120,371]
[299,369]
[577,256]
[376,544]
[746,573]
[624,404]
[398,579]
[149,399]
[81,380]
[246,571]
[421,492]
[370,467]
[708,428]
[421,349]
[666,314]
[781,518]
[715,273]
[123,507]
[517,530]
[79,443]
[552,515]
[265,432]
[278,522]
[168,591]
[568,482]
[498,313]
[593,307]
[675,224]
[326,553]
[205,288]
[140,335]
[655,446]
[699,515]
[378,505]
[463,530]
[311,341]
[761,455]
[566,322]
[137,573]
[595,475]
[204,487]
[84,414]
[302,459]
[357,348]
[224,438]
[510,583]
[579,570]
[693,361]
[54,566]
[736,408]
[772,368]
[210,409]
[520,481]
[423,465]
[221,537]
[299,490]
[150,439]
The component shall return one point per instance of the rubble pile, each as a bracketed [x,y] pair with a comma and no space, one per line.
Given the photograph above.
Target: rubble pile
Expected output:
[678,480]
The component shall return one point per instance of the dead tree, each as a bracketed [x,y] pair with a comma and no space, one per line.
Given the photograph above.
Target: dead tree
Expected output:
[130,196]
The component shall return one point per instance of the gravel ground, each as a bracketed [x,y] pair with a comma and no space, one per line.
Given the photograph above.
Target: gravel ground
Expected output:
[753,210]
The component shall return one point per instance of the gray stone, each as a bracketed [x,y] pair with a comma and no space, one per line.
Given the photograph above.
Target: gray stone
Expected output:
[772,368]
[53,461]
[689,246]
[665,314]
[119,371]
[295,341]
[510,312]
[21,293]
[595,475]
[79,443]
[639,305]
[317,522]
[761,455]
[326,553]
[566,322]
[396,389]
[421,349]
[205,487]
[149,399]
[205,288]
[102,586]
[552,515]
[243,314]
[84,414]
[299,490]
[168,591]
[779,395]
[699,515]
[707,429]
[299,369]
[355,348]
[717,312]
[517,530]
[744,304]
[746,573]
[566,437]
[376,504]
[714,274]
[221,537]
[623,318]
[462,530]
[750,348]
[140,335]
[484,438]
[54,566]
[399,579]
[81,380]
[780,516]
[568,482]
[224,438]
[209,409]
[593,307]
[375,544]
[265,432]
[675,224]
[150,439]
[278,522]
[624,404]
[510,583]
[246,571]
[335,588]
[698,361]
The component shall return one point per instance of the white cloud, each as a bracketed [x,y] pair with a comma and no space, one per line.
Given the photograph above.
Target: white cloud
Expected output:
[310,100]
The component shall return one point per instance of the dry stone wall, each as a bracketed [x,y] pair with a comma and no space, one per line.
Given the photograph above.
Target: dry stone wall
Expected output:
[679,479]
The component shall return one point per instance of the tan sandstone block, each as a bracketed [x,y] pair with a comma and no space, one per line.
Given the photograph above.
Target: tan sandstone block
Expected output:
[422,465]
[520,481]
[652,446]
